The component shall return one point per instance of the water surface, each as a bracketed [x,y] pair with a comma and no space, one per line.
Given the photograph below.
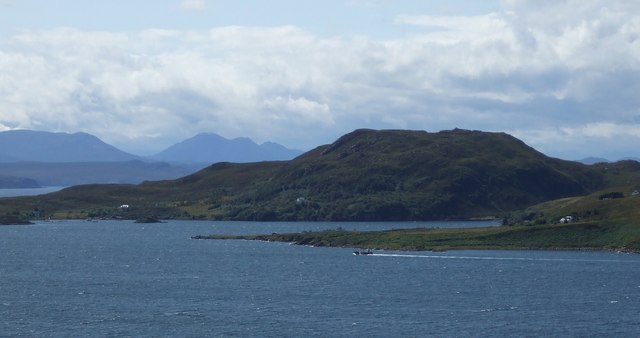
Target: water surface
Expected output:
[124,279]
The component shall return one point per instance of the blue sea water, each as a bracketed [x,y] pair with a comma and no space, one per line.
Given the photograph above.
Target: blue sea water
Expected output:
[82,279]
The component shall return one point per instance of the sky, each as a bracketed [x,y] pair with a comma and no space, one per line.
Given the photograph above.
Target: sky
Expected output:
[563,76]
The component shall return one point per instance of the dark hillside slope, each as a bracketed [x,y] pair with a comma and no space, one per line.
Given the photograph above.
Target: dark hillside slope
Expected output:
[621,173]
[364,175]
[392,174]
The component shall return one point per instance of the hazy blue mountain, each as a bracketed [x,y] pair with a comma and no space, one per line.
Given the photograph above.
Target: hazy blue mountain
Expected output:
[29,174]
[41,146]
[593,160]
[30,157]
[212,148]
[13,182]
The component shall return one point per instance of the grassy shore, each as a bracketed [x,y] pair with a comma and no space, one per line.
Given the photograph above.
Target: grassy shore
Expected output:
[586,235]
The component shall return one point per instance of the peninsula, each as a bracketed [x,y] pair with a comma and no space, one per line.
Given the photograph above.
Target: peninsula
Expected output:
[590,222]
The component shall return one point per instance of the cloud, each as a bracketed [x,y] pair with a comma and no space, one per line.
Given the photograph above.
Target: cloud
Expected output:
[569,69]
[301,109]
[193,5]
[457,27]
[601,139]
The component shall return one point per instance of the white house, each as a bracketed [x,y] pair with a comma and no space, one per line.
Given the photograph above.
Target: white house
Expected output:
[567,219]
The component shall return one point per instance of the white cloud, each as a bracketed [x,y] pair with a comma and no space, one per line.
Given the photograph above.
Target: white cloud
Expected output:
[454,28]
[532,69]
[601,139]
[306,111]
[597,131]
[193,5]
[606,130]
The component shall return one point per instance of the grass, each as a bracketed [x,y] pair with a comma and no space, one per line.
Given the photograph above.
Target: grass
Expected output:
[587,235]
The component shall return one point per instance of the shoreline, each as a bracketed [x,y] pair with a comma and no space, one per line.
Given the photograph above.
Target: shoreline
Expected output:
[435,250]
[573,237]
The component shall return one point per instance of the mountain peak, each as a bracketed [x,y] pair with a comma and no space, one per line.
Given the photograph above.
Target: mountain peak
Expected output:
[212,148]
[43,146]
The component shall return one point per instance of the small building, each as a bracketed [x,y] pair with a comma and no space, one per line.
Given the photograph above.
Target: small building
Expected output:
[567,219]
[124,207]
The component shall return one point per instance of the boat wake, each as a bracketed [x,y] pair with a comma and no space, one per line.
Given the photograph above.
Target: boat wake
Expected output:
[505,258]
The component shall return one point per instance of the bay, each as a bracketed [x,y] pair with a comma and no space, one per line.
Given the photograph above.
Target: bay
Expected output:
[118,278]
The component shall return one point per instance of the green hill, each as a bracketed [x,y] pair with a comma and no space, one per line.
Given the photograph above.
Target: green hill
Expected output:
[612,206]
[364,175]
[607,219]
[413,175]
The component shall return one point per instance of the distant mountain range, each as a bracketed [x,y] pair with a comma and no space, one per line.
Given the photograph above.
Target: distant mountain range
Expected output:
[41,146]
[31,158]
[213,148]
[594,160]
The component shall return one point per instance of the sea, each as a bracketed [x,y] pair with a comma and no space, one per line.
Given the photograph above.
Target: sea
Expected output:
[123,279]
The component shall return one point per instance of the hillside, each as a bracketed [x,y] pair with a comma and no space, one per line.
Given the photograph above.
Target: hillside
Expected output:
[40,146]
[606,219]
[618,204]
[212,148]
[364,175]
[407,175]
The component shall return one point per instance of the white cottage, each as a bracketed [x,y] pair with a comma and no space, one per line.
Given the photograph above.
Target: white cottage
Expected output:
[567,219]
